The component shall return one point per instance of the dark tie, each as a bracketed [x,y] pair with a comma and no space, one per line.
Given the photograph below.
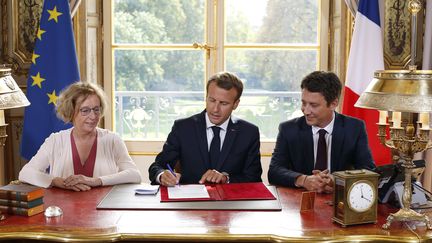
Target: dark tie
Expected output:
[215,147]
[321,157]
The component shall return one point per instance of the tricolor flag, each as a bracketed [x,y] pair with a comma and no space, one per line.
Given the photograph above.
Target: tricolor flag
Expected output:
[54,66]
[366,56]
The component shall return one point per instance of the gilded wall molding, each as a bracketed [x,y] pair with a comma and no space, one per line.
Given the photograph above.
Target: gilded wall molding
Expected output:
[26,19]
[19,25]
[397,34]
[339,37]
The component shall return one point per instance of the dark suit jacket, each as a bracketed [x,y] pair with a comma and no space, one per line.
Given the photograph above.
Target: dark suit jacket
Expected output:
[294,154]
[187,144]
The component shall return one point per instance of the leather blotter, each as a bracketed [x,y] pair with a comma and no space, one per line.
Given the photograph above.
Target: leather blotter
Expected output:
[124,197]
[227,192]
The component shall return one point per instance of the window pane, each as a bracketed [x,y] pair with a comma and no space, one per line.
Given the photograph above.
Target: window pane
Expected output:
[272,21]
[149,115]
[267,110]
[155,87]
[159,70]
[272,84]
[271,70]
[159,21]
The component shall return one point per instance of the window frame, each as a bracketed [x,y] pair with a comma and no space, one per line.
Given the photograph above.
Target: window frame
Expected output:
[215,17]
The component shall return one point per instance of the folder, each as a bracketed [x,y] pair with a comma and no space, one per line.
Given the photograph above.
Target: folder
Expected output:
[227,192]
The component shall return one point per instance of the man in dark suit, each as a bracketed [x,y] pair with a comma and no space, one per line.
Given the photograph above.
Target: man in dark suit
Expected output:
[322,141]
[212,146]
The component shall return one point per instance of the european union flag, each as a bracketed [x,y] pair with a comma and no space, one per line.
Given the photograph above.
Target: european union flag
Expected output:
[54,66]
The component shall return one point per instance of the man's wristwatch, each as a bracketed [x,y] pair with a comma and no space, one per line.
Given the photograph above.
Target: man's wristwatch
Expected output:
[227,176]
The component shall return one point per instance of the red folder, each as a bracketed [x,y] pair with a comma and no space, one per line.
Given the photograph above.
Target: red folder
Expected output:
[227,192]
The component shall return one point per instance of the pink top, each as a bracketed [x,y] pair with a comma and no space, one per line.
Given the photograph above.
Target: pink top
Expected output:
[88,166]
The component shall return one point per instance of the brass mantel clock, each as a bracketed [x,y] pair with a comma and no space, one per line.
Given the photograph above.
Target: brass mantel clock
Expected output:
[355,197]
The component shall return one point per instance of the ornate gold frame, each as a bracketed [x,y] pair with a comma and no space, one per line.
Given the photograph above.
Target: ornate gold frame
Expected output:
[397,34]
[19,20]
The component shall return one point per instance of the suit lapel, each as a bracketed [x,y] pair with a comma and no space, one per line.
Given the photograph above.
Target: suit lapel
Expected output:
[230,136]
[307,144]
[201,132]
[338,137]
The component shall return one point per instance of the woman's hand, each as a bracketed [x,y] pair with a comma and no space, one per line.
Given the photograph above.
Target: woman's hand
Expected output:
[60,183]
[81,179]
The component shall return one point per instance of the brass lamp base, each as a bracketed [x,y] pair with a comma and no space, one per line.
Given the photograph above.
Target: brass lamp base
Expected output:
[408,91]
[407,215]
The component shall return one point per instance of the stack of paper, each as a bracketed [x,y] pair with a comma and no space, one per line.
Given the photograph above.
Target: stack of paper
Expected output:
[147,189]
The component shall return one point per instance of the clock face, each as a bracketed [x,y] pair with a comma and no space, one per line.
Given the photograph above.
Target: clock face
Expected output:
[361,196]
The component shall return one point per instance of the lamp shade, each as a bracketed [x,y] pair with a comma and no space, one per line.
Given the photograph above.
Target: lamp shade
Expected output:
[399,90]
[11,96]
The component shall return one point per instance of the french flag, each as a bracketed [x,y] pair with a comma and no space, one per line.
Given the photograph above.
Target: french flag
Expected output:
[365,57]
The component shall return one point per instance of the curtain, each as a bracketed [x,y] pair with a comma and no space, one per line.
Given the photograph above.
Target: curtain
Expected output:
[352,6]
[427,65]
[73,5]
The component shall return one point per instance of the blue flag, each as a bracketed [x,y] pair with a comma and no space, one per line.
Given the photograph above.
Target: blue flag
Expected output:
[54,66]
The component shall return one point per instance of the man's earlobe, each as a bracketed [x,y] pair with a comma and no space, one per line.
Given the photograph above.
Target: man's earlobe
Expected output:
[335,103]
[236,103]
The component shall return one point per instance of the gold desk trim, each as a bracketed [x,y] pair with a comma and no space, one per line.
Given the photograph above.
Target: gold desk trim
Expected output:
[211,237]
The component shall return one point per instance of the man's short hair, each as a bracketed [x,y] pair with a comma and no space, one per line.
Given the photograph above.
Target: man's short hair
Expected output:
[227,81]
[326,83]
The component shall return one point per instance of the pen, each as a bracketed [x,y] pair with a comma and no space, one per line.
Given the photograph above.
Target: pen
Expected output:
[172,171]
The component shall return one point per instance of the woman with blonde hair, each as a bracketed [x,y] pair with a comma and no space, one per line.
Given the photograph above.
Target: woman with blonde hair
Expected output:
[83,156]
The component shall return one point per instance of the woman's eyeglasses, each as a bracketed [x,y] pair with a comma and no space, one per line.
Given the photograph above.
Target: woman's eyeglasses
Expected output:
[85,111]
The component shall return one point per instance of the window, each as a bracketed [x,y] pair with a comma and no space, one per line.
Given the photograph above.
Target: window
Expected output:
[163,51]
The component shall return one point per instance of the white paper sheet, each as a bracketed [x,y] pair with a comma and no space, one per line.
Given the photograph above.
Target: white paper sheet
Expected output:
[187,191]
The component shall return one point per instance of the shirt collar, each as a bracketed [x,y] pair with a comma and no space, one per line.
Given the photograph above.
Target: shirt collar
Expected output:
[209,124]
[328,128]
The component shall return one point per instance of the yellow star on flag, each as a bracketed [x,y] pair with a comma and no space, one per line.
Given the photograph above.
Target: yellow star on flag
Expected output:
[37,80]
[54,14]
[34,56]
[39,33]
[52,98]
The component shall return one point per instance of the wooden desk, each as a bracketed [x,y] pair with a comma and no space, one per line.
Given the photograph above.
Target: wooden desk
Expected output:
[82,222]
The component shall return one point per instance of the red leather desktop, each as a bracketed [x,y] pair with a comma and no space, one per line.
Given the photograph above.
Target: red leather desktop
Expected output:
[81,221]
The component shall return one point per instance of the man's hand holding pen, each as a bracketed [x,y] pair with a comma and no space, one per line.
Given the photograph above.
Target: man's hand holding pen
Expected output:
[170,177]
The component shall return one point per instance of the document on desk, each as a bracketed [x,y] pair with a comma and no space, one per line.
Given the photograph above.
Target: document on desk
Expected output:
[217,192]
[187,191]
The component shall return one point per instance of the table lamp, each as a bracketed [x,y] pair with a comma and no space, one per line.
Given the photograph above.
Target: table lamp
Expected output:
[11,96]
[403,92]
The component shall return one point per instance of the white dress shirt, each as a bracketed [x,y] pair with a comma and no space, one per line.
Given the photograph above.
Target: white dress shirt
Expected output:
[328,138]
[210,134]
